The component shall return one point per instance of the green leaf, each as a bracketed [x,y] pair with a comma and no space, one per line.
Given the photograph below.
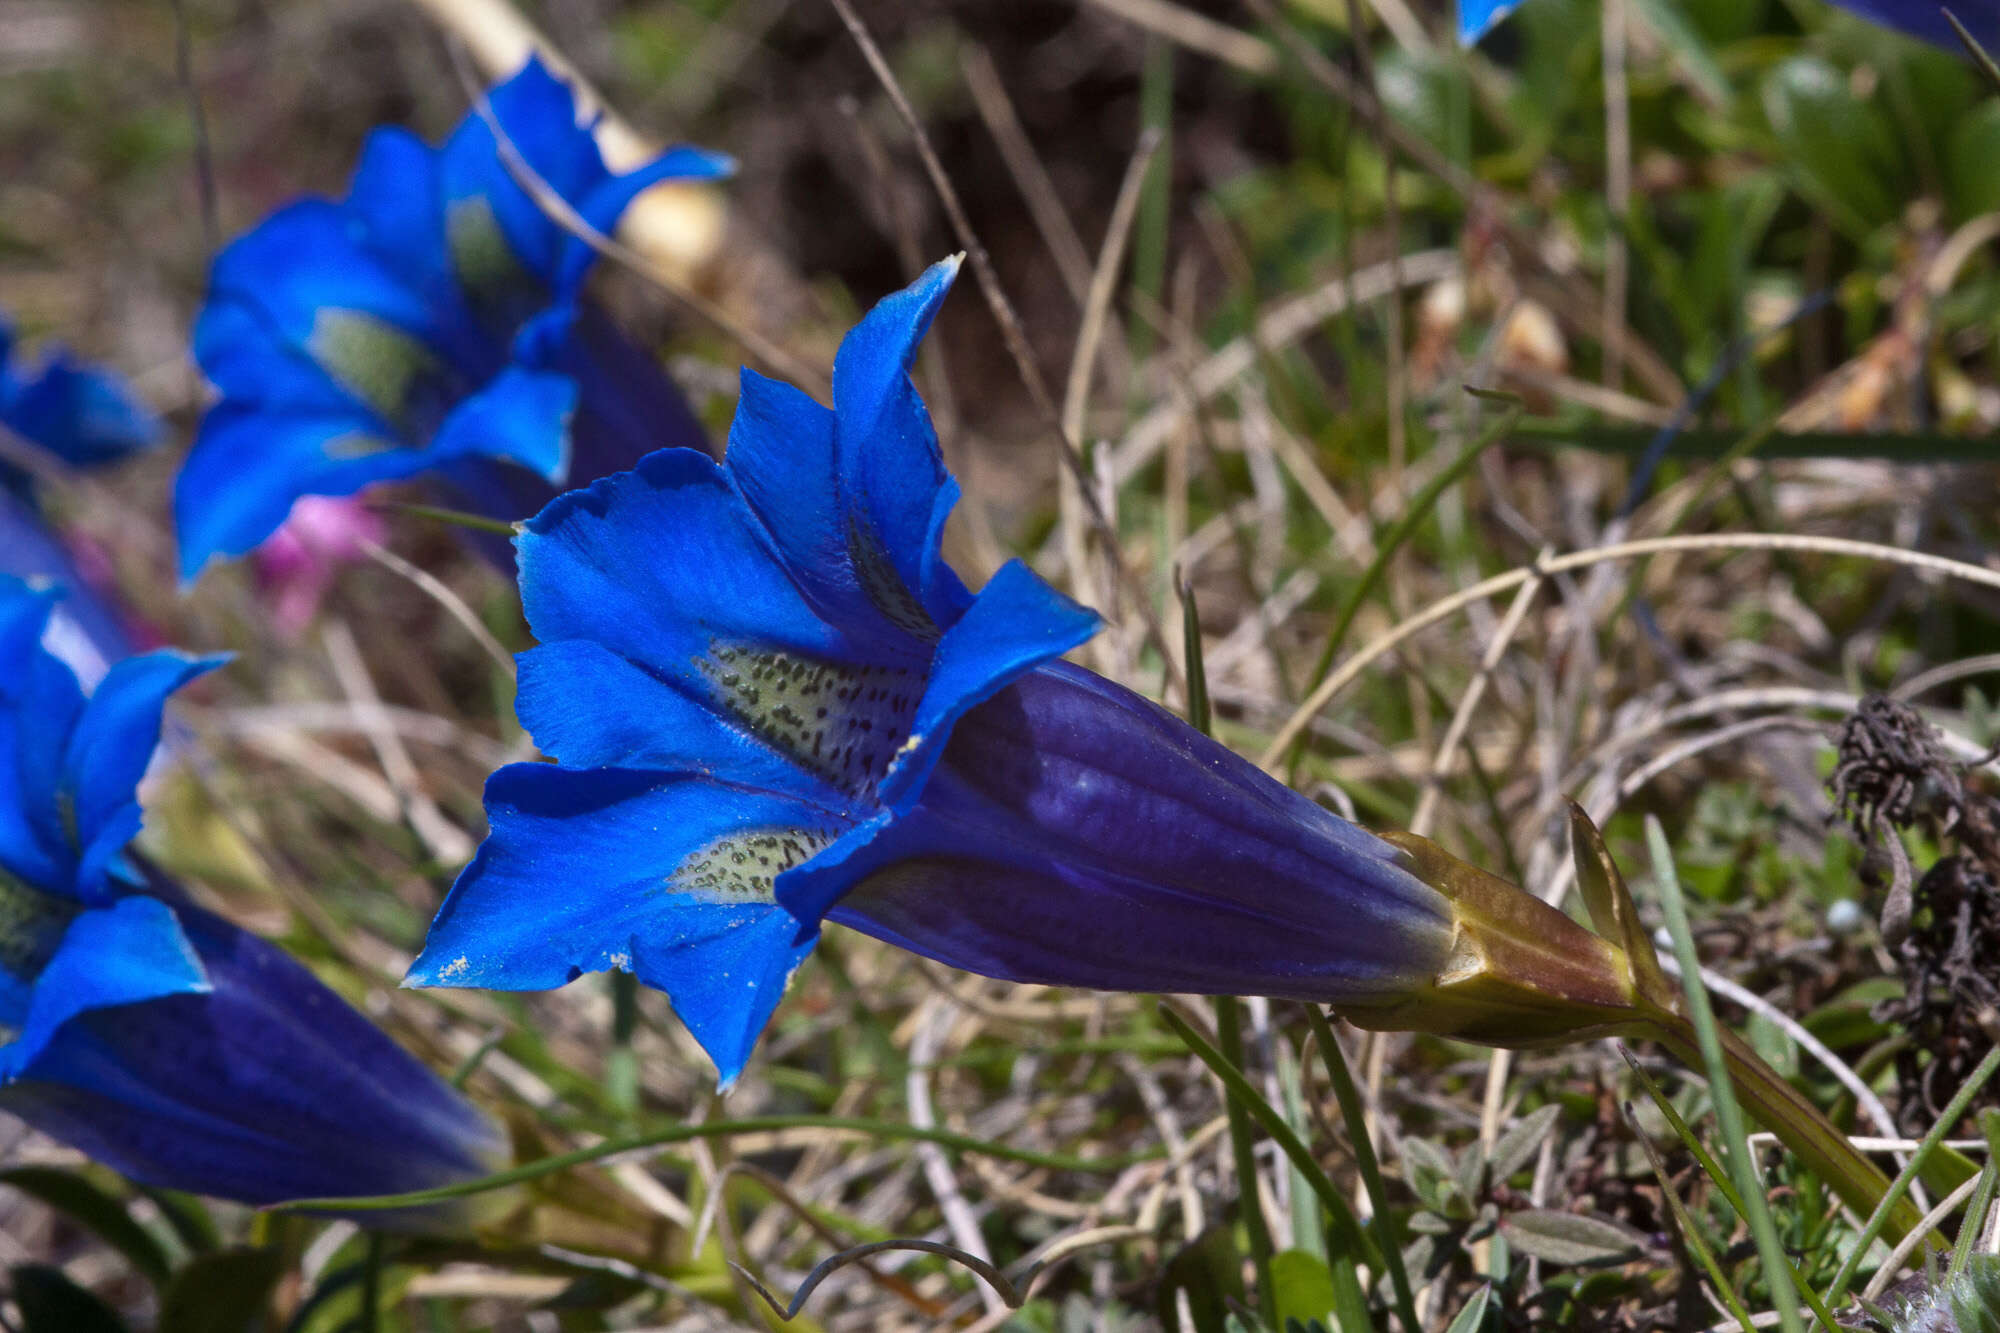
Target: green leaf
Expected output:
[51,1303]
[1302,1287]
[1474,1313]
[100,1213]
[224,1292]
[1975,1297]
[1429,1170]
[1971,182]
[1570,1238]
[1841,147]
[1210,1271]
[1513,1150]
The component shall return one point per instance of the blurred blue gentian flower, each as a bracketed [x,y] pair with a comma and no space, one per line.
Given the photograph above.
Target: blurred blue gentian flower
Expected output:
[429,323]
[156,1037]
[1919,18]
[1477,17]
[774,704]
[76,415]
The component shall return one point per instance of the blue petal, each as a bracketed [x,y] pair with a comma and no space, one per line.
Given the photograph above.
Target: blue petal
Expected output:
[891,472]
[39,706]
[627,405]
[243,354]
[1015,624]
[590,708]
[269,1087]
[131,951]
[24,611]
[249,466]
[1476,18]
[308,259]
[537,114]
[398,197]
[782,458]
[657,564]
[87,631]
[110,748]
[522,417]
[85,416]
[606,203]
[667,876]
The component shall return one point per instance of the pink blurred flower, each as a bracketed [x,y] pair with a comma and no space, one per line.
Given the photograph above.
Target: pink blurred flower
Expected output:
[298,563]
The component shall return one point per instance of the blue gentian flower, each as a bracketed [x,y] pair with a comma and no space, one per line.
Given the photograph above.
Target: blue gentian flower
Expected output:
[1476,18]
[156,1037]
[81,416]
[774,705]
[427,324]
[1919,18]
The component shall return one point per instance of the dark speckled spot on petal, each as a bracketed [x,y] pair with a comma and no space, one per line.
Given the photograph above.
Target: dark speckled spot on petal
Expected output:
[885,586]
[842,723]
[740,867]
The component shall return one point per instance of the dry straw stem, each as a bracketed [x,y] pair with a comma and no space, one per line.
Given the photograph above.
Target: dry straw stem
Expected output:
[1444,608]
[1090,335]
[447,844]
[1281,325]
[1037,188]
[676,226]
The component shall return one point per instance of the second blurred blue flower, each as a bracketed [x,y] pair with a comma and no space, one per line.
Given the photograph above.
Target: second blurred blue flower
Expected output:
[428,323]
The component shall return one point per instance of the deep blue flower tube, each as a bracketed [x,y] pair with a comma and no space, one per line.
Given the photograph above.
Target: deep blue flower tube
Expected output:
[428,324]
[75,415]
[774,705]
[154,1036]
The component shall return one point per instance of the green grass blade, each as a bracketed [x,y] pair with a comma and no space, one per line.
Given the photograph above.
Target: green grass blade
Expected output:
[1728,1114]
[1690,1228]
[1954,1111]
[1349,1097]
[714,1129]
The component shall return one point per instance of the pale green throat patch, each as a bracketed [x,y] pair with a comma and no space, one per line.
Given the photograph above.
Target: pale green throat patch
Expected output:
[31,926]
[742,867]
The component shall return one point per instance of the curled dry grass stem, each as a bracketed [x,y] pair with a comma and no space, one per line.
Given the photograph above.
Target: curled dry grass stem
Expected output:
[1012,1293]
[1444,608]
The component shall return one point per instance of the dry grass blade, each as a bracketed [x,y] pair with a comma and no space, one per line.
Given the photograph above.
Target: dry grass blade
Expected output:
[1096,310]
[1352,668]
